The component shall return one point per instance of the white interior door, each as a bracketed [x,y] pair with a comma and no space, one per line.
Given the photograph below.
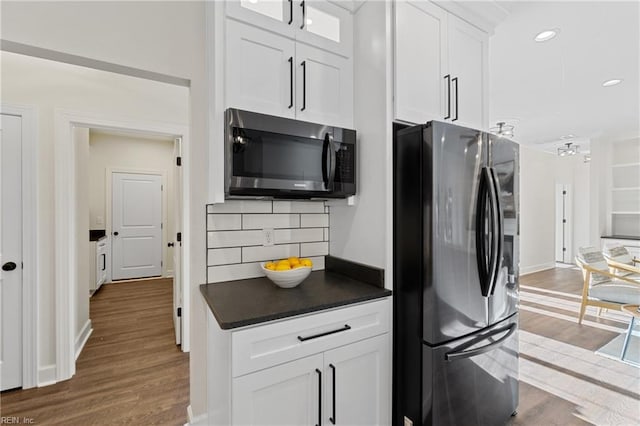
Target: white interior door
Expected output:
[177,245]
[136,225]
[564,224]
[11,251]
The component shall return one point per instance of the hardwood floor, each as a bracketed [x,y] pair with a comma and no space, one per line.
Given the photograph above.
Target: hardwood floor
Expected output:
[130,371]
[562,380]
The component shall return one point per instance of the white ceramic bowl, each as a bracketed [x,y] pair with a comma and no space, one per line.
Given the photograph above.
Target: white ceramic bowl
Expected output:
[287,279]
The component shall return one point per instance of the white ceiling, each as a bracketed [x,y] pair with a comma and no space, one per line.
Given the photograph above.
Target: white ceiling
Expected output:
[551,89]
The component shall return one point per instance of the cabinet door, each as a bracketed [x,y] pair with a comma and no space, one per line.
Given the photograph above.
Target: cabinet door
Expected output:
[274,15]
[287,394]
[468,53]
[324,86]
[259,70]
[325,25]
[420,63]
[358,386]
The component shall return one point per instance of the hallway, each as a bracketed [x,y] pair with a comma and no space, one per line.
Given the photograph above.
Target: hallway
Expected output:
[130,371]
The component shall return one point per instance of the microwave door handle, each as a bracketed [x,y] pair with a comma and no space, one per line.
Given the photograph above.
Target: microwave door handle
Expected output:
[325,167]
[332,170]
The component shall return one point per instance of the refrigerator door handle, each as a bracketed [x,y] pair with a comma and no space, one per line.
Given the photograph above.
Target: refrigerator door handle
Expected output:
[481,232]
[452,356]
[496,226]
[498,231]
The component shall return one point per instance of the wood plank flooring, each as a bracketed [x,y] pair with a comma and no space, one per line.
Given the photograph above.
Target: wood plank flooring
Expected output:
[130,372]
[562,380]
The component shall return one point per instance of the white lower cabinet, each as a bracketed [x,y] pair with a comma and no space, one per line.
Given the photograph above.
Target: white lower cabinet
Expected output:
[328,368]
[344,386]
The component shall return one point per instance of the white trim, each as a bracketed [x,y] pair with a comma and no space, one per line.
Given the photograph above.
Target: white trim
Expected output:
[47,375]
[30,278]
[537,268]
[65,194]
[169,273]
[82,337]
[197,420]
[109,171]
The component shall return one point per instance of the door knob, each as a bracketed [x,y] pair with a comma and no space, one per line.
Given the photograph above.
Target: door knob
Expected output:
[115,233]
[9,266]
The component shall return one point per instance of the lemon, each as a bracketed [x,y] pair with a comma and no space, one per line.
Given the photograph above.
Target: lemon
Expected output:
[270,265]
[306,262]
[282,262]
[283,266]
[298,265]
[293,261]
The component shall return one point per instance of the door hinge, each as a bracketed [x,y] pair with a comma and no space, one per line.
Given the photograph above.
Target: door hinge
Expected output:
[161,263]
[564,249]
[179,237]
[564,192]
[178,161]
[179,312]
[161,225]
[161,187]
[564,220]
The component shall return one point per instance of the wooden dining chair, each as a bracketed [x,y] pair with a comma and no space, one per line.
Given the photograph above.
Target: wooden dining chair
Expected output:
[601,287]
[620,261]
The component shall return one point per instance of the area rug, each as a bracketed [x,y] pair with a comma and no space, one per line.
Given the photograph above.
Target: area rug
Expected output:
[614,348]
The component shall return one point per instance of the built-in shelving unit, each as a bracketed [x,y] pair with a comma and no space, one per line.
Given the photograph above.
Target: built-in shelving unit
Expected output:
[625,188]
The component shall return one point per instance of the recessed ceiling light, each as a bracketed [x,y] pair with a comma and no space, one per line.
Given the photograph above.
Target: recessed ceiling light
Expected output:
[569,136]
[546,35]
[612,82]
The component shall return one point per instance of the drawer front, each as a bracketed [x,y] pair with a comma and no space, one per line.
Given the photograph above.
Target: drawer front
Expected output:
[283,341]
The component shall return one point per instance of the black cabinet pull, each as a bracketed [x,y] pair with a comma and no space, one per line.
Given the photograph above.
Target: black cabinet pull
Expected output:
[290,12]
[304,85]
[304,14]
[332,419]
[291,82]
[115,233]
[326,333]
[448,78]
[104,261]
[319,397]
[455,82]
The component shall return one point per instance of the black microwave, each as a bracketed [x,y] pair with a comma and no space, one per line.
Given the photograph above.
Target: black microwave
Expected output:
[276,157]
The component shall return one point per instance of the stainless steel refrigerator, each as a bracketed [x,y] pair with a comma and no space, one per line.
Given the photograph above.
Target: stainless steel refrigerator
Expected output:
[455,272]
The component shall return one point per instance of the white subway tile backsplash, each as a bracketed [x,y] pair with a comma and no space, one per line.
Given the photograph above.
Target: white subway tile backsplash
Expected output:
[235,237]
[240,271]
[241,206]
[314,249]
[224,256]
[308,235]
[259,254]
[298,207]
[224,222]
[314,220]
[221,239]
[261,221]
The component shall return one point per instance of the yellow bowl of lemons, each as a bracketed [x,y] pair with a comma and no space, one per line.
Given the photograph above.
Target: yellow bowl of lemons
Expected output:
[287,273]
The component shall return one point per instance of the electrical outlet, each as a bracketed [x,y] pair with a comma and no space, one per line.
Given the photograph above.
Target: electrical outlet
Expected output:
[407,421]
[268,238]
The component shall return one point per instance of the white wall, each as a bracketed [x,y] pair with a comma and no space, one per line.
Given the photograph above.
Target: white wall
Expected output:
[109,151]
[359,233]
[171,41]
[537,210]
[81,141]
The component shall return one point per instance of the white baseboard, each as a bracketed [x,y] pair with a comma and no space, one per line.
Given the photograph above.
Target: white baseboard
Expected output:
[169,273]
[197,420]
[82,337]
[47,375]
[537,268]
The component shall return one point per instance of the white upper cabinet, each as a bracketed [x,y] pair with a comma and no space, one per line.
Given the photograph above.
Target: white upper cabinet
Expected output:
[468,55]
[316,22]
[324,84]
[440,66]
[420,61]
[259,70]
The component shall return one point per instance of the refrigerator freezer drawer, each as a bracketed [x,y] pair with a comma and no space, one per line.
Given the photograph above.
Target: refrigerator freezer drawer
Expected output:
[474,380]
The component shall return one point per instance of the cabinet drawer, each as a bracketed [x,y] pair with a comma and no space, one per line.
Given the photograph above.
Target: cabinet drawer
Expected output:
[275,343]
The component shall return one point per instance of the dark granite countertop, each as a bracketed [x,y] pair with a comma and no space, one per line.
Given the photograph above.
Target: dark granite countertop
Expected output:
[621,237]
[252,301]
